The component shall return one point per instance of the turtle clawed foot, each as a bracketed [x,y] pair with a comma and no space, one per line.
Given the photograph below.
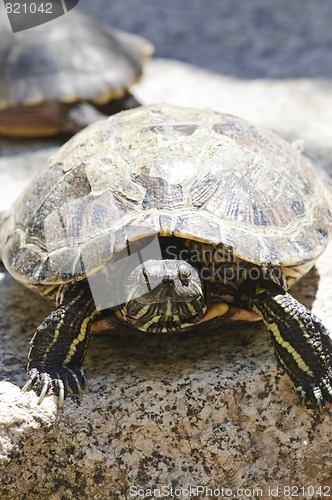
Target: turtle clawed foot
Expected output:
[317,393]
[59,380]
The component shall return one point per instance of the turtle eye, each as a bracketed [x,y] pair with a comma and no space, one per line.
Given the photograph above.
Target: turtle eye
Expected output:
[145,277]
[184,275]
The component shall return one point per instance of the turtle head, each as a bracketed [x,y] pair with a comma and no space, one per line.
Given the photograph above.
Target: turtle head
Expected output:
[164,296]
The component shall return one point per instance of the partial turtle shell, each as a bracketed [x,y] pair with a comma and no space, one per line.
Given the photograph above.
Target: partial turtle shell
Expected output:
[190,173]
[73,59]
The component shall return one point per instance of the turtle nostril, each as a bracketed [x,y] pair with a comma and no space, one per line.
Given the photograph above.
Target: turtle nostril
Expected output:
[168,279]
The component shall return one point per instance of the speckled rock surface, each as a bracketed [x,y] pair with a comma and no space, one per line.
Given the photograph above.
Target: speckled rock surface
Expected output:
[209,409]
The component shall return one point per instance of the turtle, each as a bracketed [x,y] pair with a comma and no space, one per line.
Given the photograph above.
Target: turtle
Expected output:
[166,219]
[58,80]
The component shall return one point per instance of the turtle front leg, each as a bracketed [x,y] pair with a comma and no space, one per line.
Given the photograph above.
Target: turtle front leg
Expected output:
[302,343]
[60,343]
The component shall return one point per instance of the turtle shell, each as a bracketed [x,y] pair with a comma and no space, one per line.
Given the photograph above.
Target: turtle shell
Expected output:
[78,59]
[190,173]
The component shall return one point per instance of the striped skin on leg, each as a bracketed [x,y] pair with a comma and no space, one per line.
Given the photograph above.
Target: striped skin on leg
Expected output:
[302,343]
[59,345]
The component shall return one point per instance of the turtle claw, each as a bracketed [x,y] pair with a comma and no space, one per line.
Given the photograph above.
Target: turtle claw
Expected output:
[318,399]
[57,380]
[27,385]
[60,390]
[84,383]
[317,393]
[43,392]
[33,378]
[302,395]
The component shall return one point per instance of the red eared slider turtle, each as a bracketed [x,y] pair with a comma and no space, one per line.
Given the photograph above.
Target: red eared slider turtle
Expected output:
[239,215]
[47,71]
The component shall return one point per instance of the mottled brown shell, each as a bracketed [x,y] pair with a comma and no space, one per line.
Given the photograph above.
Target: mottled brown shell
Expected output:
[191,173]
[78,59]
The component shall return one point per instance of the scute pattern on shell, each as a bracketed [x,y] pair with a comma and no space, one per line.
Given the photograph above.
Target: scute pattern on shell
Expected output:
[192,173]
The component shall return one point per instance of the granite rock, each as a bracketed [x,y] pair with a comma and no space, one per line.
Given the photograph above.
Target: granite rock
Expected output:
[206,409]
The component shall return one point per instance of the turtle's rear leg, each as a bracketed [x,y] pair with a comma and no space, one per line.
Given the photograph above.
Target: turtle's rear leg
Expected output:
[60,343]
[302,343]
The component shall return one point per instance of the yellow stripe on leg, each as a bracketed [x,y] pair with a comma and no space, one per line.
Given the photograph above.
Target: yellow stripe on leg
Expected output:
[286,345]
[80,338]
